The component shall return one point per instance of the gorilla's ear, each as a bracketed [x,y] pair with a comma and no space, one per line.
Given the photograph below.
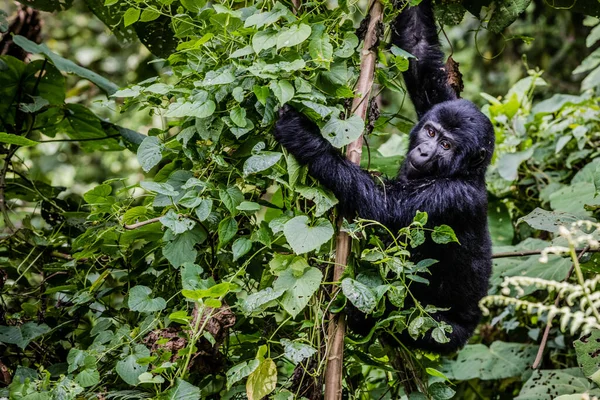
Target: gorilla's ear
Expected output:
[478,159]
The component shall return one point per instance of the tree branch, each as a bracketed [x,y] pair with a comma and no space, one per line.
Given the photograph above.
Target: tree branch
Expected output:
[337,324]
[140,224]
[534,252]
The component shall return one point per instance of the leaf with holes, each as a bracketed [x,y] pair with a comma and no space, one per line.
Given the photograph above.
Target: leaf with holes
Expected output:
[341,132]
[360,295]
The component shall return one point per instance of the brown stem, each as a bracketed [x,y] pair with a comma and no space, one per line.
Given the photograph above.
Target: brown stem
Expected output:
[296,6]
[140,224]
[337,324]
[540,353]
[534,252]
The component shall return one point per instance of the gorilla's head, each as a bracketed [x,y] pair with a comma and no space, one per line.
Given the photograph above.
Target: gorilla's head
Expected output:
[454,138]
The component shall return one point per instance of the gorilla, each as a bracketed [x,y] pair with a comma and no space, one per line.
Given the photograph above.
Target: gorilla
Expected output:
[443,174]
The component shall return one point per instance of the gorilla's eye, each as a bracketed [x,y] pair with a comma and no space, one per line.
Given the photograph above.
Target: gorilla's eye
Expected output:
[445,145]
[430,131]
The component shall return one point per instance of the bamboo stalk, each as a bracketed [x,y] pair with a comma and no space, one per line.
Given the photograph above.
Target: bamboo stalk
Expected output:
[337,324]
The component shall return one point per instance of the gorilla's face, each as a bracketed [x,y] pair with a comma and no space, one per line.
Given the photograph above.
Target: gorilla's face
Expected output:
[434,151]
[453,138]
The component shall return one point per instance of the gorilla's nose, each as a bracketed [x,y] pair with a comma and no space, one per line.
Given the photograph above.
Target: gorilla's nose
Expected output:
[424,151]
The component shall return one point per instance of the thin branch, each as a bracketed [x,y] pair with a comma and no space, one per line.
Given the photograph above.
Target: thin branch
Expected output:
[64,256]
[534,252]
[140,224]
[540,353]
[80,140]
[296,6]
[337,324]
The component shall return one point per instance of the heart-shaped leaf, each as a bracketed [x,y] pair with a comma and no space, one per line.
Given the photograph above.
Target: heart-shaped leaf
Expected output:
[303,237]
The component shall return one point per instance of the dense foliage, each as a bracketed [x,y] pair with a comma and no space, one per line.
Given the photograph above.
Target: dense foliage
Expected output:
[209,275]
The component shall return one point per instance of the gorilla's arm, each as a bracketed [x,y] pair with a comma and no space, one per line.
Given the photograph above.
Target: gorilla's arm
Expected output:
[353,187]
[393,204]
[426,79]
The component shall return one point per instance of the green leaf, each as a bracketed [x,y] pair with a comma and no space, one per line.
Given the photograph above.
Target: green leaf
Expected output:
[360,295]
[140,300]
[240,371]
[501,360]
[297,351]
[22,335]
[190,276]
[587,349]
[159,187]
[98,195]
[348,47]
[149,153]
[183,391]
[264,40]
[244,51]
[261,162]
[248,206]
[214,78]
[439,391]
[179,249]
[149,14]
[88,377]
[505,13]
[508,164]
[9,138]
[231,198]
[443,234]
[190,199]
[176,223]
[260,300]
[240,247]
[323,199]
[37,105]
[342,132]
[131,16]
[321,50]
[198,109]
[303,237]
[262,381]
[547,220]
[227,230]
[283,90]
[550,384]
[259,20]
[214,292]
[203,209]
[298,289]
[238,95]
[238,116]
[129,370]
[293,35]
[66,65]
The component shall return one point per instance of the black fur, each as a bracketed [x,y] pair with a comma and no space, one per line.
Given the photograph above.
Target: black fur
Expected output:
[447,183]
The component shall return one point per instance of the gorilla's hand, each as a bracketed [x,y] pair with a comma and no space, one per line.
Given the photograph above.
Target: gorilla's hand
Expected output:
[299,135]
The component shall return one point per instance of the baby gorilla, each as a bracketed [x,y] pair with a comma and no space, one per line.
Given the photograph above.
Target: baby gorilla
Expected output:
[443,174]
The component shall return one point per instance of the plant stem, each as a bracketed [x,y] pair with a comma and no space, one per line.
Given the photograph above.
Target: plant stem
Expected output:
[581,280]
[337,324]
